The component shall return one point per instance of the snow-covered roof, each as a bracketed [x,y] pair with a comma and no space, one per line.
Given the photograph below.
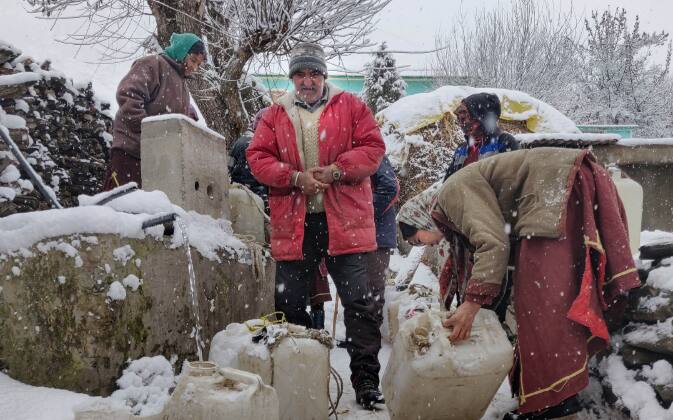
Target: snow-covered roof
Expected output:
[415,112]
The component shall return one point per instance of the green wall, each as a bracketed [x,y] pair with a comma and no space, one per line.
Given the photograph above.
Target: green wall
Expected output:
[354,84]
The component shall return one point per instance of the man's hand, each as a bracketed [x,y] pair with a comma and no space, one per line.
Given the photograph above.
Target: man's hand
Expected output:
[324,173]
[461,321]
[308,184]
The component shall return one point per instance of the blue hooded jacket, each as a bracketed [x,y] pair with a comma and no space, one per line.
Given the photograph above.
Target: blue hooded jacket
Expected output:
[385,189]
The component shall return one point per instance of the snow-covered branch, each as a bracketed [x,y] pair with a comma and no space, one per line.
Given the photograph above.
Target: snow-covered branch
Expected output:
[532,46]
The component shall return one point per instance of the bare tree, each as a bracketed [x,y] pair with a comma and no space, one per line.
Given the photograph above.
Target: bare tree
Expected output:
[530,47]
[236,31]
[620,83]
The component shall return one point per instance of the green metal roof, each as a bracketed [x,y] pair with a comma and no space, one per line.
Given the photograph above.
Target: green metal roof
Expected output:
[349,83]
[624,130]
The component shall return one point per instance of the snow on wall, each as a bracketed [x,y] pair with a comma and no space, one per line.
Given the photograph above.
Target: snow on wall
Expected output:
[200,124]
[584,137]
[123,216]
[19,78]
[646,142]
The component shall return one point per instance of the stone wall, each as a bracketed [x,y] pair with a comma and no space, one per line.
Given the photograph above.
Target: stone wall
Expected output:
[650,165]
[647,336]
[60,327]
[60,127]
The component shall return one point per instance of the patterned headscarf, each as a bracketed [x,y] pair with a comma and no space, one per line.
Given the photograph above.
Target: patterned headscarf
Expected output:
[416,211]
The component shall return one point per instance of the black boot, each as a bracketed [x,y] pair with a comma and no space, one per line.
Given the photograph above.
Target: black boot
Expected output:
[318,318]
[367,394]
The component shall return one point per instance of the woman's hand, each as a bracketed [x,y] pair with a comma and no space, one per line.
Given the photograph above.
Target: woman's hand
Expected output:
[461,321]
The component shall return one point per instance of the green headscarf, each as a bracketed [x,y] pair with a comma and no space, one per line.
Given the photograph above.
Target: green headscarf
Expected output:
[180,45]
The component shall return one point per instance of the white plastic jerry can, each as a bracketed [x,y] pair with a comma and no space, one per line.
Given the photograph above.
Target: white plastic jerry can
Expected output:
[430,378]
[631,194]
[392,308]
[297,367]
[301,378]
[246,212]
[205,392]
[102,409]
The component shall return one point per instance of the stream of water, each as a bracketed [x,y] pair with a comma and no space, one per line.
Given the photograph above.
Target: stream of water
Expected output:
[192,290]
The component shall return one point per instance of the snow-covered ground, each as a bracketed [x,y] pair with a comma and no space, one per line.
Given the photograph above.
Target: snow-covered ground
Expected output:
[348,408]
[19,401]
[151,377]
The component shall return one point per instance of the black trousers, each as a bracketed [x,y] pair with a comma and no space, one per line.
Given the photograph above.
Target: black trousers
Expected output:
[377,262]
[350,276]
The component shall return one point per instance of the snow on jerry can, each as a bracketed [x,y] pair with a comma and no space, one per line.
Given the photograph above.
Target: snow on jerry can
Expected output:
[429,378]
[404,304]
[631,194]
[297,367]
[246,211]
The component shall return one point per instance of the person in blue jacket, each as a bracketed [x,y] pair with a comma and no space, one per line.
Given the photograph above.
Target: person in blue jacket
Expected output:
[386,189]
[477,115]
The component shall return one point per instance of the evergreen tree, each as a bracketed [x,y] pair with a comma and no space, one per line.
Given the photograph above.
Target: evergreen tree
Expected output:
[383,84]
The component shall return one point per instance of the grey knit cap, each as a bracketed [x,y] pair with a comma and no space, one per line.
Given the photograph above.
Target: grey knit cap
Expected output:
[307,55]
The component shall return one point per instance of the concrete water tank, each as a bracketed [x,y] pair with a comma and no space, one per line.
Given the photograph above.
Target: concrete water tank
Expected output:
[187,162]
[631,194]
[430,378]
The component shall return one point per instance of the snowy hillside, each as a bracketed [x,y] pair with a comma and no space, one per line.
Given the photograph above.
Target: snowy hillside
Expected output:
[38,38]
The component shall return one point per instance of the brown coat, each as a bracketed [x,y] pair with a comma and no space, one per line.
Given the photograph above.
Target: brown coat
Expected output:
[155,85]
[523,192]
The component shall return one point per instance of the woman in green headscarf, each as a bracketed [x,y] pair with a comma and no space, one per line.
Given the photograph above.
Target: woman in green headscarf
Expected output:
[155,85]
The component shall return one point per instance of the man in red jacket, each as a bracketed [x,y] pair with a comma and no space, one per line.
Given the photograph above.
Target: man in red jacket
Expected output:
[316,150]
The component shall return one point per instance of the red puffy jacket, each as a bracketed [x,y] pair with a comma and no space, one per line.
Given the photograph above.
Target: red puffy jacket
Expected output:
[350,138]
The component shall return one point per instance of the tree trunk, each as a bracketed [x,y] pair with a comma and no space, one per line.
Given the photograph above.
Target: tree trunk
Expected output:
[221,105]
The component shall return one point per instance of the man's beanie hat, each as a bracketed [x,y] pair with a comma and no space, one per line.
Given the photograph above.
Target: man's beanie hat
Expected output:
[181,44]
[482,104]
[307,55]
